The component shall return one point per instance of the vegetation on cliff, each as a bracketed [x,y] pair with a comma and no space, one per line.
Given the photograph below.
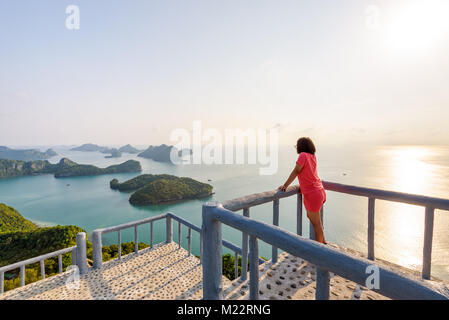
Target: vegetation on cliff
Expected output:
[25,154]
[138,182]
[162,188]
[12,221]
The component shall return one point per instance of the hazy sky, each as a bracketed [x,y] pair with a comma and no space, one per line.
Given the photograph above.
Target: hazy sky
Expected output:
[353,71]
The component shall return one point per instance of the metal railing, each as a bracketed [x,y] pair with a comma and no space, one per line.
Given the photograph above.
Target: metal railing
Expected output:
[326,259]
[78,258]
[169,217]
[429,203]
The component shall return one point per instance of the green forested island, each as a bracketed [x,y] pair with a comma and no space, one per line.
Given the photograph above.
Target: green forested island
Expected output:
[155,189]
[65,168]
[25,154]
[157,153]
[12,221]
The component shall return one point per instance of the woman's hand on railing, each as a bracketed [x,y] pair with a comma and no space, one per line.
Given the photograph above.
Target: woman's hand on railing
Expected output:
[282,188]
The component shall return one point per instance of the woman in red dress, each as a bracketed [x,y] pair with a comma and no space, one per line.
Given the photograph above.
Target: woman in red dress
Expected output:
[310,184]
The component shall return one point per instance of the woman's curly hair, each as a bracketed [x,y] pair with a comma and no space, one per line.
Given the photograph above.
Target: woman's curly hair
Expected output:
[305,144]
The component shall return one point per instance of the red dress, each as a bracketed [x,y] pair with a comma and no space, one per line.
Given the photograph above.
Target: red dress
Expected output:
[310,184]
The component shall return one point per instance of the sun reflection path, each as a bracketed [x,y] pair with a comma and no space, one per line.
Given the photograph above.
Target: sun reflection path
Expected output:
[402,226]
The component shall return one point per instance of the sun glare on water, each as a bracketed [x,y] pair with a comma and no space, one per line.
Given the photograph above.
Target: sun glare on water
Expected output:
[403,223]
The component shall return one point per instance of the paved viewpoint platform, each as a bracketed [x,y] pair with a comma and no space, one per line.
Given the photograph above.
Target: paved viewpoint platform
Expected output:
[167,272]
[164,273]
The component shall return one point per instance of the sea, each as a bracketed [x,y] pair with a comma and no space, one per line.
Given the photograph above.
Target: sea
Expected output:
[88,202]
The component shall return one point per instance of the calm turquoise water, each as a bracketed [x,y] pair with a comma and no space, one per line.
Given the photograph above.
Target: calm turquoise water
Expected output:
[88,202]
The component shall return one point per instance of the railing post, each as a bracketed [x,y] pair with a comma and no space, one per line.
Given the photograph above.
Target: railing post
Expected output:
[254,269]
[136,244]
[201,247]
[42,266]
[299,214]
[151,234]
[244,274]
[427,248]
[274,250]
[119,246]
[2,282]
[322,284]
[212,260]
[236,265]
[371,206]
[96,249]
[22,276]
[179,235]
[81,258]
[60,263]
[73,257]
[169,231]
[189,237]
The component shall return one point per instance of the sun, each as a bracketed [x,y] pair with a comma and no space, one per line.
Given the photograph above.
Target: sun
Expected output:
[416,27]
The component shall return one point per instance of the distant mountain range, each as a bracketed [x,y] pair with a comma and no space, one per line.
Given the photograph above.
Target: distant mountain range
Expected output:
[25,154]
[114,152]
[65,168]
[159,153]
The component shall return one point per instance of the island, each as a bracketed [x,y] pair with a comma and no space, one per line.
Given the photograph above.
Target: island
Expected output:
[162,153]
[114,153]
[25,154]
[129,149]
[89,147]
[65,168]
[163,188]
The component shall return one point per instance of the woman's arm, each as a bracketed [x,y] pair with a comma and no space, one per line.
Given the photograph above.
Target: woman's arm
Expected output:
[296,170]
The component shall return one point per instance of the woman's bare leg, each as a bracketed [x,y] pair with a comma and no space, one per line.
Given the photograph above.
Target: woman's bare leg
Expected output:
[315,219]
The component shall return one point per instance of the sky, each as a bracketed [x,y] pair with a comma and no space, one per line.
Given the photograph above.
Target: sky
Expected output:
[352,71]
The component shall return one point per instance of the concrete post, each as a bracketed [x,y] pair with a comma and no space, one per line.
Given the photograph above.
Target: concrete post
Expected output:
[427,248]
[169,230]
[81,257]
[254,268]
[136,240]
[299,214]
[244,274]
[212,263]
[96,249]
[274,250]
[371,206]
[322,284]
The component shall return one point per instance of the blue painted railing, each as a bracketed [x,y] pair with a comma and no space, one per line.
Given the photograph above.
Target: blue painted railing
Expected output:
[169,217]
[326,259]
[430,204]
